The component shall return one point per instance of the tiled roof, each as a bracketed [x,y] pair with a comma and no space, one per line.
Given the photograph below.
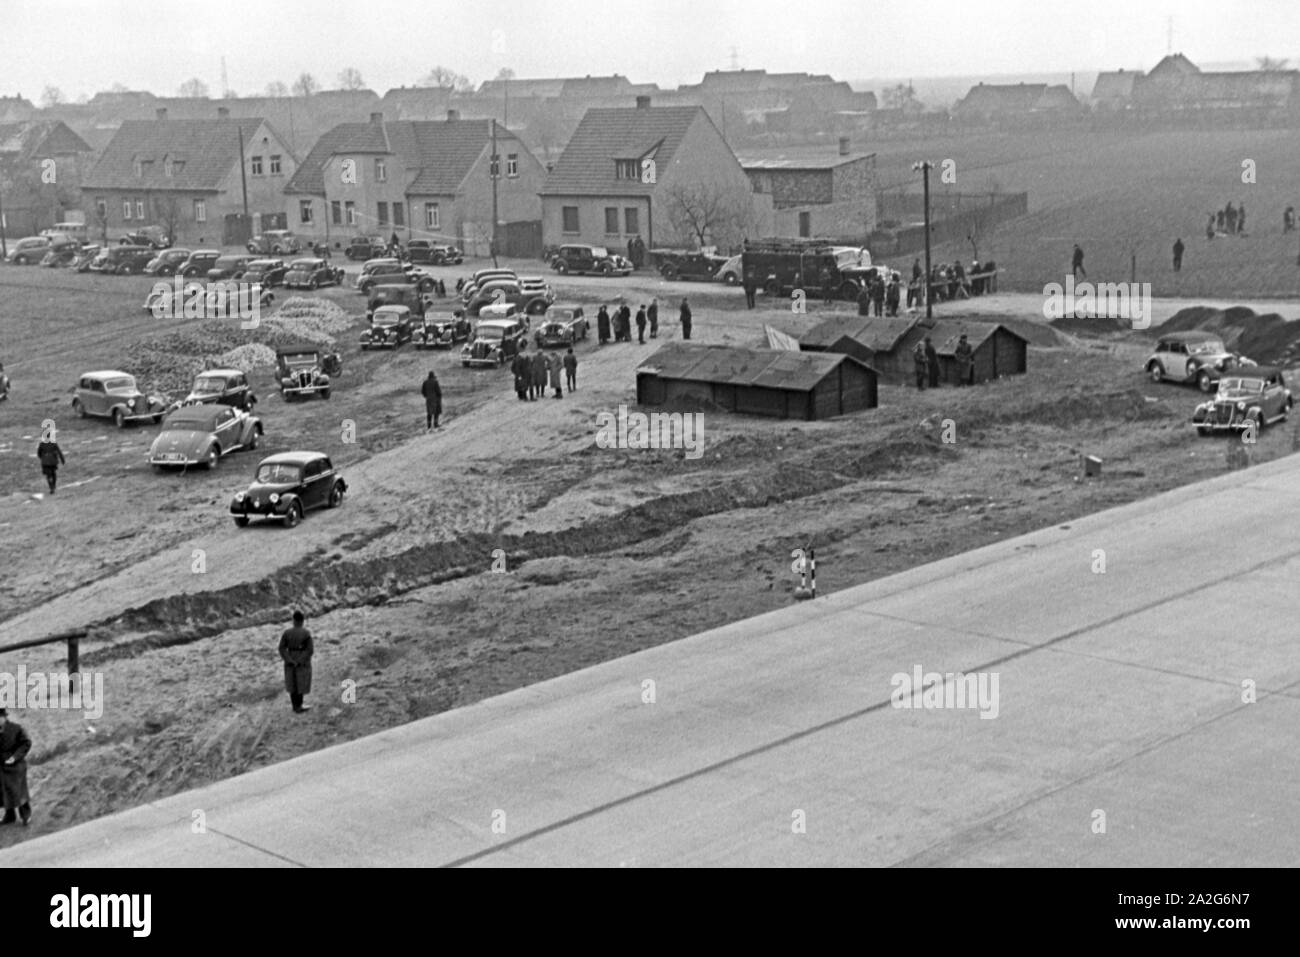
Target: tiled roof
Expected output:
[1118,85]
[586,167]
[733,365]
[35,138]
[209,149]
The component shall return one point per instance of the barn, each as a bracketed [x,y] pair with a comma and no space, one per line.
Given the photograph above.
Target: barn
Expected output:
[886,345]
[780,383]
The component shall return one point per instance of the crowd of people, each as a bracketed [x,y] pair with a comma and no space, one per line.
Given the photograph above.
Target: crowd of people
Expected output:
[925,362]
[1229,221]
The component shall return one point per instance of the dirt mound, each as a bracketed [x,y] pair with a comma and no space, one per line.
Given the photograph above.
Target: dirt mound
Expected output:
[1073,407]
[1267,338]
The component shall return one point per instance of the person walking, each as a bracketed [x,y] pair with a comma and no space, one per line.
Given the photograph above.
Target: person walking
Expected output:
[965,361]
[520,368]
[553,368]
[539,375]
[1076,264]
[571,369]
[919,365]
[686,319]
[602,326]
[14,745]
[640,325]
[652,314]
[432,393]
[1178,254]
[932,363]
[296,649]
[51,457]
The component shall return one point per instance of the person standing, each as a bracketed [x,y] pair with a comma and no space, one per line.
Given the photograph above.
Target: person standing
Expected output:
[520,369]
[965,361]
[686,319]
[1076,264]
[640,325]
[878,296]
[652,314]
[1288,222]
[751,291]
[602,326]
[625,322]
[892,295]
[919,365]
[14,745]
[51,457]
[1178,254]
[1209,228]
[296,649]
[932,363]
[553,367]
[4,383]
[539,375]
[571,369]
[1241,219]
[1230,218]
[824,283]
[864,300]
[914,287]
[432,392]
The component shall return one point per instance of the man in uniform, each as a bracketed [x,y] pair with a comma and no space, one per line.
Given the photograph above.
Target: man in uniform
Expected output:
[432,392]
[51,457]
[14,745]
[295,651]
[965,361]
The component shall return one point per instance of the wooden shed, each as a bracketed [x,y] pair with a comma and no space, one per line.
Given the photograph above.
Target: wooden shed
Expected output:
[780,383]
[886,344]
[998,351]
[873,342]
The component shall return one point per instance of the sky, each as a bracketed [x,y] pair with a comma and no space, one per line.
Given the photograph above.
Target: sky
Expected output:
[81,46]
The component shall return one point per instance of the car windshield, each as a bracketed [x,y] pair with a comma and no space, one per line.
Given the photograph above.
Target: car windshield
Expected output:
[278,473]
[120,384]
[303,264]
[209,384]
[385,318]
[847,257]
[305,361]
[1242,385]
[562,314]
[189,419]
[491,332]
[1209,346]
[225,262]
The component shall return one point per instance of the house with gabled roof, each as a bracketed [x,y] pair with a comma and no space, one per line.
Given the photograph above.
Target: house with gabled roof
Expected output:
[636,171]
[41,164]
[189,178]
[423,179]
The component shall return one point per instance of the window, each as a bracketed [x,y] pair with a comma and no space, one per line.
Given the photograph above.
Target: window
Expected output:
[399,214]
[336,212]
[383,214]
[126,209]
[200,211]
[168,168]
[139,209]
[570,215]
[304,210]
[431,218]
[178,166]
[611,220]
[627,169]
[257,165]
[632,221]
[139,169]
[381,170]
[275,166]
[351,210]
[512,164]
[805,225]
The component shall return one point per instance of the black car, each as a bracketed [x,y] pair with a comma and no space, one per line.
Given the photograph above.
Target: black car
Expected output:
[151,236]
[398,274]
[441,330]
[122,260]
[362,248]
[167,262]
[390,326]
[423,251]
[312,274]
[287,486]
[583,259]
[198,263]
[223,387]
[266,272]
[229,267]
[389,294]
[674,264]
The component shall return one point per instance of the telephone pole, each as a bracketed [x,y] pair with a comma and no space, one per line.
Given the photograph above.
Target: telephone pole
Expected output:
[243,184]
[925,166]
[494,168]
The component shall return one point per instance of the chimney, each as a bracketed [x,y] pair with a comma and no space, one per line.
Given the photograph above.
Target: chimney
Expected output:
[223,111]
[643,102]
[844,146]
[161,113]
[453,115]
[376,117]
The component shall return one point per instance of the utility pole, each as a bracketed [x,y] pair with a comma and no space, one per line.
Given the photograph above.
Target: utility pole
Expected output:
[494,169]
[925,166]
[243,177]
[4,250]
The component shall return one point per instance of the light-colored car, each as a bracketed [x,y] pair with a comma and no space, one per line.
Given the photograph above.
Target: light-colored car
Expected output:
[729,272]
[564,325]
[113,395]
[1192,357]
[1249,397]
[202,434]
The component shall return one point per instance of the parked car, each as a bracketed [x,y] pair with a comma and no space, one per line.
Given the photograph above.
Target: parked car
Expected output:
[60,257]
[362,248]
[85,256]
[495,342]
[287,486]
[155,237]
[1198,357]
[394,273]
[198,263]
[440,330]
[79,232]
[583,259]
[113,395]
[678,264]
[202,434]
[390,326]
[29,251]
[221,387]
[302,370]
[122,260]
[730,271]
[532,296]
[312,274]
[167,262]
[266,272]
[388,294]
[1248,397]
[274,242]
[422,251]
[564,325]
[229,267]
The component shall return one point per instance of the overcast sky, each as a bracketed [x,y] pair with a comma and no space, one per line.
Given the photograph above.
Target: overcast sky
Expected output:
[81,46]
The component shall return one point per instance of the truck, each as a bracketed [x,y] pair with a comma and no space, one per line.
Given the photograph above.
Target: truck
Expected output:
[779,266]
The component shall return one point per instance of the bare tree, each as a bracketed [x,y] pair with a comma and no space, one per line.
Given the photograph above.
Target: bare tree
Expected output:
[901,97]
[505,73]
[350,79]
[51,96]
[277,89]
[305,85]
[193,88]
[446,78]
[167,214]
[707,211]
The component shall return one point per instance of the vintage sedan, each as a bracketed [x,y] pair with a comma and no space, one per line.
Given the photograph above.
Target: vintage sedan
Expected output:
[1249,397]
[302,370]
[60,257]
[581,259]
[29,250]
[202,434]
[362,248]
[1192,357]
[394,272]
[532,296]
[287,486]
[229,267]
[496,341]
[155,237]
[85,257]
[221,387]
[266,272]
[113,395]
[390,326]
[273,242]
[312,274]
[565,325]
[442,330]
[198,262]
[167,262]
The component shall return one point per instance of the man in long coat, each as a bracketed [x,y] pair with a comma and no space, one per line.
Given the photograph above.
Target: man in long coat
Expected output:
[602,325]
[555,368]
[539,375]
[919,365]
[652,314]
[296,650]
[625,322]
[640,325]
[14,745]
[932,362]
[51,457]
[432,393]
[686,319]
[521,369]
[965,361]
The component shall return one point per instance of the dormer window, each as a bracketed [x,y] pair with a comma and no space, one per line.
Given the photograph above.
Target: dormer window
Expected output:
[168,169]
[139,169]
[627,169]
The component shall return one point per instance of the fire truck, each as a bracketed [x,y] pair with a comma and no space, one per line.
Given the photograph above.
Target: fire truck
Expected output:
[779,266]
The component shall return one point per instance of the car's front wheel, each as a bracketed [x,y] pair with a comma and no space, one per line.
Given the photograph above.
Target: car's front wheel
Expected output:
[1202,430]
[562,267]
[1154,372]
[78,408]
[336,496]
[324,393]
[212,457]
[1203,381]
[730,279]
[119,418]
[294,515]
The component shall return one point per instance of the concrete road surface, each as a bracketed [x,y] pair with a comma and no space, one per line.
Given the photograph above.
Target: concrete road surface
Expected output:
[1146,714]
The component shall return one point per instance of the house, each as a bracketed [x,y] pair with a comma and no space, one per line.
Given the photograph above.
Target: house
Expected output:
[886,344]
[15,109]
[998,351]
[190,178]
[780,383]
[1176,84]
[1114,89]
[41,165]
[993,101]
[832,195]
[427,179]
[662,173]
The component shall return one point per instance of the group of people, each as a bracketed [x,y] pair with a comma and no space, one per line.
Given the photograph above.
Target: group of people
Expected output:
[925,361]
[1229,221]
[636,251]
[616,326]
[879,297]
[533,372]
